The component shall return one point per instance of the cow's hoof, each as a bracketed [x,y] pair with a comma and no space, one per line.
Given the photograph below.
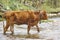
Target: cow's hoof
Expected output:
[4,33]
[38,30]
[28,33]
[12,33]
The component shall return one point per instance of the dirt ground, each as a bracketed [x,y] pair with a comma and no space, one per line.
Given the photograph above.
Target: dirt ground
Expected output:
[48,31]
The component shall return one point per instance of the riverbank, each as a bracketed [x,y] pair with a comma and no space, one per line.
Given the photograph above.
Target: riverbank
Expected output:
[53,15]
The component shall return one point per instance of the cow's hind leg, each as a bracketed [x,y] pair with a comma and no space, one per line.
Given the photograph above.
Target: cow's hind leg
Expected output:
[6,28]
[37,28]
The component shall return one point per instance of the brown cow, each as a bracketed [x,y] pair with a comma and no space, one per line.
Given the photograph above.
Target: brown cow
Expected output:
[31,18]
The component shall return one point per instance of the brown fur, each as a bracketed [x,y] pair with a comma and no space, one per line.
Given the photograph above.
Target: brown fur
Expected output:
[30,18]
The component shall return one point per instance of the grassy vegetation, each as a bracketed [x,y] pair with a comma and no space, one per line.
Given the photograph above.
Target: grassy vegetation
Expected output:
[1,19]
[45,21]
[49,8]
[17,5]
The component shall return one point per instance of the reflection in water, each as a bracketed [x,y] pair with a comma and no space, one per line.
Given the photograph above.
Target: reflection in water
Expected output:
[33,36]
[27,36]
[18,36]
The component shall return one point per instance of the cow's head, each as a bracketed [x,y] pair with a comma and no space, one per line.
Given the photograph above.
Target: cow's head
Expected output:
[43,15]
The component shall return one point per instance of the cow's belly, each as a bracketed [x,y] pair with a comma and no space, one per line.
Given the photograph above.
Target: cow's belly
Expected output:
[34,23]
[20,22]
[31,22]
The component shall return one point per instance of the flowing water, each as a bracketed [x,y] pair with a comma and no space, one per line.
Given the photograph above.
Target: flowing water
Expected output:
[48,31]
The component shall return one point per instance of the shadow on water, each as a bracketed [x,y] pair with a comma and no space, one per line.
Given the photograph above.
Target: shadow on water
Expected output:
[8,36]
[26,36]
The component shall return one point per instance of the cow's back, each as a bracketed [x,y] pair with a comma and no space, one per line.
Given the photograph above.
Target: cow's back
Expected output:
[22,17]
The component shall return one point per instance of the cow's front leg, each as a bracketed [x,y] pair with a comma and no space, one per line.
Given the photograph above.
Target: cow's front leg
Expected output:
[29,28]
[12,28]
[37,28]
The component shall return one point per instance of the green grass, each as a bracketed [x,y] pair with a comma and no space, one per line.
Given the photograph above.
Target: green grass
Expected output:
[1,19]
[45,21]
[49,9]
